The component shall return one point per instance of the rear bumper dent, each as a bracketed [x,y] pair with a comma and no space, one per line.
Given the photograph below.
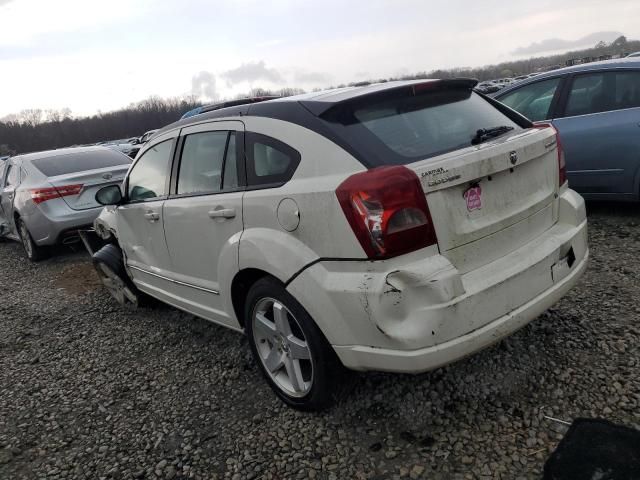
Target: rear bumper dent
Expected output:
[425,359]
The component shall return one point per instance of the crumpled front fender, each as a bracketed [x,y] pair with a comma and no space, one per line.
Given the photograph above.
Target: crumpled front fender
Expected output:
[105,224]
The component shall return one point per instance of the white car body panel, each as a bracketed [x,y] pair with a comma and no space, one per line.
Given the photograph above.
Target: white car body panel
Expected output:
[204,249]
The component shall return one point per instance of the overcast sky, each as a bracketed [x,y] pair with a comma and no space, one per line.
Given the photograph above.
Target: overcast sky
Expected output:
[90,55]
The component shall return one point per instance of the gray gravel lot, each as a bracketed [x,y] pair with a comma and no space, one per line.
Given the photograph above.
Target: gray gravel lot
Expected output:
[89,390]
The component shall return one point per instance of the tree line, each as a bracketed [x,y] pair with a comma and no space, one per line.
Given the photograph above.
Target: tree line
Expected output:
[36,130]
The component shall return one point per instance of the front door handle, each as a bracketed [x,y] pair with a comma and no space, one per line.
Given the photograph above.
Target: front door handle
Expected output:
[223,213]
[152,216]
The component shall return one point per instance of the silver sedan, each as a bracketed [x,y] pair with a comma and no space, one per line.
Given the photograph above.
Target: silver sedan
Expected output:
[46,197]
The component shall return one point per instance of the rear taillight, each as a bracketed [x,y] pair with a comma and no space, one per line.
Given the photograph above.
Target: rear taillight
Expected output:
[39,195]
[387,211]
[562,165]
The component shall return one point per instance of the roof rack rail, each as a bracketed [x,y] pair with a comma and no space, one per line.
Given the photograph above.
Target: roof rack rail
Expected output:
[230,103]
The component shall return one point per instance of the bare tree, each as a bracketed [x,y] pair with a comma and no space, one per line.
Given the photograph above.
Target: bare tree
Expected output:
[31,116]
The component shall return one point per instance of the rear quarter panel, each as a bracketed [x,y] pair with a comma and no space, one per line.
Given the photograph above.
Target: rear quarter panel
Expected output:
[323,231]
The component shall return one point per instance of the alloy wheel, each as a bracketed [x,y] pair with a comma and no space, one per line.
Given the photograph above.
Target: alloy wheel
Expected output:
[26,239]
[282,347]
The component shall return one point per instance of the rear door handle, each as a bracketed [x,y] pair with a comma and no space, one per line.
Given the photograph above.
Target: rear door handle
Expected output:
[152,216]
[223,213]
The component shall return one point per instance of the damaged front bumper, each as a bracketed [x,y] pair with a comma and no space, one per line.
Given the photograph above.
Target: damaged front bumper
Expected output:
[91,241]
[417,312]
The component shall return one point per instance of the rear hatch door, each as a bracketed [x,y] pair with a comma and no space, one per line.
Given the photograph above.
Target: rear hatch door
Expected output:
[490,200]
[490,178]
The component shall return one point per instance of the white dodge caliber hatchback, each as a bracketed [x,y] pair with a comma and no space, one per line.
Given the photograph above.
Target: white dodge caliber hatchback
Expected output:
[395,227]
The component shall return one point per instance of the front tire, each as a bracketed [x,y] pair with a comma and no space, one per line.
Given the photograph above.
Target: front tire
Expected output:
[33,252]
[109,265]
[289,348]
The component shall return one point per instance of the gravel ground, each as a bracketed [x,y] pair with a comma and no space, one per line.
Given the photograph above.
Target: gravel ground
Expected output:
[89,390]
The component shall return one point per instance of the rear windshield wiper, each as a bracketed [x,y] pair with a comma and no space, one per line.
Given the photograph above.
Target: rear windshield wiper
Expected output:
[485,134]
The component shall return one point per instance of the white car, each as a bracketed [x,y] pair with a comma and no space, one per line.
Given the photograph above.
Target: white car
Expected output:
[395,227]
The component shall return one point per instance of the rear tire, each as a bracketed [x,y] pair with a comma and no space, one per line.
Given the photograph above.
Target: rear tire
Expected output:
[33,252]
[292,353]
[109,265]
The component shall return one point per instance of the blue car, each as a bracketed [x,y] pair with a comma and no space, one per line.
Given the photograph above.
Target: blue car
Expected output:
[191,113]
[596,109]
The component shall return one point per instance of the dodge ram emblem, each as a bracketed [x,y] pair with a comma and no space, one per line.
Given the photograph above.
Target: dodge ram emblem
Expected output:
[513,156]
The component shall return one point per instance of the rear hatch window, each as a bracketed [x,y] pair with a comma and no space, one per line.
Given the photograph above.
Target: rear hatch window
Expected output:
[398,129]
[80,162]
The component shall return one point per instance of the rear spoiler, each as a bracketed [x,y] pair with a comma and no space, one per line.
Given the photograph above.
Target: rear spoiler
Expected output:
[318,107]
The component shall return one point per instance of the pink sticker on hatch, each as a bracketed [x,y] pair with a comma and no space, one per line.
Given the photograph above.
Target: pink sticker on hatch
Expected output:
[473,196]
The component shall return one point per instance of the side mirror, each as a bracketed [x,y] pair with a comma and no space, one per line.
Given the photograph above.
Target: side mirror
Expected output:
[109,195]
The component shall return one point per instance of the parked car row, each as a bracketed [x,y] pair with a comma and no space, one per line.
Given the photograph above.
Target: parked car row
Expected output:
[492,86]
[395,227]
[128,146]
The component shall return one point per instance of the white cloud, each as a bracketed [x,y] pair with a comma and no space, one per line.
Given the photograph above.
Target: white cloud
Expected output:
[24,21]
[203,86]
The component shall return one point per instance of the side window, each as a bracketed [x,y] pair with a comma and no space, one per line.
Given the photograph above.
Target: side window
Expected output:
[592,93]
[627,89]
[208,163]
[269,161]
[533,100]
[13,176]
[148,178]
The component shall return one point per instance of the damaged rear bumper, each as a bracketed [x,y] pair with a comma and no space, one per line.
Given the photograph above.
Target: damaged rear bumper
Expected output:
[417,312]
[424,359]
